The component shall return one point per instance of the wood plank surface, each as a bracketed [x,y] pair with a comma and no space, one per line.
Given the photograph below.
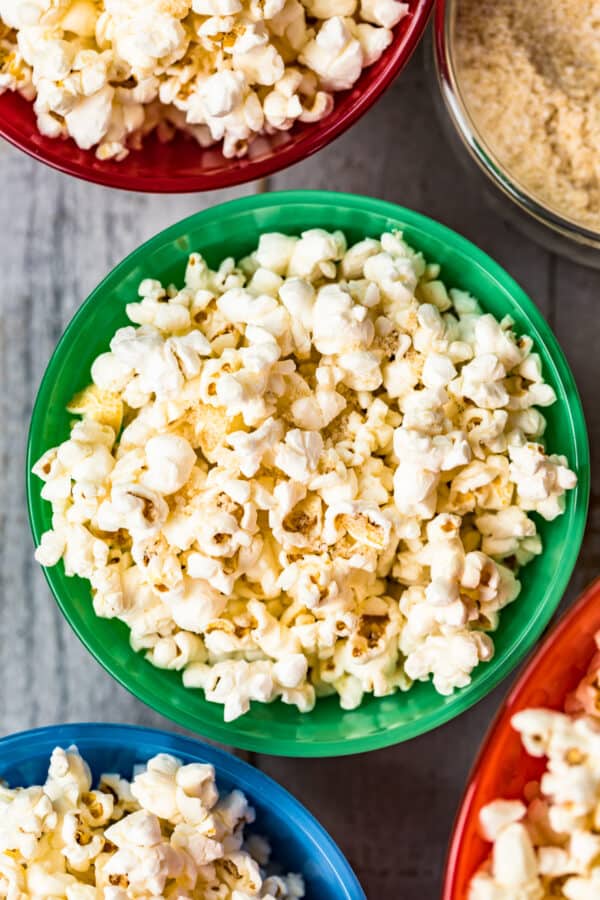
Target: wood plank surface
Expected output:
[391,811]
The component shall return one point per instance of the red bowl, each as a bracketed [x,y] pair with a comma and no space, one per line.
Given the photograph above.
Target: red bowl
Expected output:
[182,165]
[503,768]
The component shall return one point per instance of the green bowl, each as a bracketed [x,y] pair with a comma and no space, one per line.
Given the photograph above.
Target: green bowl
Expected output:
[233,229]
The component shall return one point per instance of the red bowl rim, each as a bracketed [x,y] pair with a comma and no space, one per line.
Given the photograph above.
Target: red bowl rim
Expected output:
[236,174]
[512,702]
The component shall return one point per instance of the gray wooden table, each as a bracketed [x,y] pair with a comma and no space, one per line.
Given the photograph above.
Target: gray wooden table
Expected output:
[390,811]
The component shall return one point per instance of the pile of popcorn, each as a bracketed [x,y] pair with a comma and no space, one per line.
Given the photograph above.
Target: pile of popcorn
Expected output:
[309,472]
[166,834]
[549,845]
[107,72]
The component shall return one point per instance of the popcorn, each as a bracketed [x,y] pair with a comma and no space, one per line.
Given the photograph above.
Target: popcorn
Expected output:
[134,507]
[89,119]
[169,463]
[541,481]
[481,381]
[108,73]
[549,846]
[334,55]
[325,476]
[274,252]
[383,12]
[315,253]
[498,815]
[234,683]
[298,457]
[449,659]
[339,324]
[168,832]
[509,532]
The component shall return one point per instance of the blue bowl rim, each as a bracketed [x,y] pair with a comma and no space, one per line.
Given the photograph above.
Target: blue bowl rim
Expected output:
[246,777]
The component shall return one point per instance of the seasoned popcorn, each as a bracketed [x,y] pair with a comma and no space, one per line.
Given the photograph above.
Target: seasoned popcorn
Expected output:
[309,472]
[108,72]
[549,844]
[166,834]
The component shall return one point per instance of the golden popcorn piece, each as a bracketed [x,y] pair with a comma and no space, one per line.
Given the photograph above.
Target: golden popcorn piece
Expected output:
[459,503]
[104,407]
[320,556]
[347,548]
[387,344]
[306,518]
[220,625]
[205,427]
[373,628]
[362,529]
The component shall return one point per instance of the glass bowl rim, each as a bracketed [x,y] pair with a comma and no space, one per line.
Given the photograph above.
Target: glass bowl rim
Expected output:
[448,83]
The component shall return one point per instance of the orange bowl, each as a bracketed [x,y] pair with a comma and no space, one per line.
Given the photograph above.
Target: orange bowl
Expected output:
[182,165]
[503,768]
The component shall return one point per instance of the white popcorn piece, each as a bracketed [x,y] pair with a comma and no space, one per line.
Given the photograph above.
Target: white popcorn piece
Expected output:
[19,15]
[325,474]
[549,845]
[251,447]
[51,548]
[541,480]
[233,683]
[222,92]
[334,55]
[109,373]
[169,463]
[482,382]
[167,833]
[498,815]
[339,325]
[509,532]
[88,120]
[373,41]
[139,509]
[383,12]
[315,253]
[449,659]
[298,457]
[274,251]
[108,73]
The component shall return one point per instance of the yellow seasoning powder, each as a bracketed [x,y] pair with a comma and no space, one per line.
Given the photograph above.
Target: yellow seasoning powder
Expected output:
[529,74]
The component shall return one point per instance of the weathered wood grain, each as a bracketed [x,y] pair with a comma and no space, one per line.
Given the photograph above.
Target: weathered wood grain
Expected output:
[391,811]
[60,237]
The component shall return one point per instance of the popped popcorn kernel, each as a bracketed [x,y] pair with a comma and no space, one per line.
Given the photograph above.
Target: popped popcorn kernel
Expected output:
[325,476]
[166,833]
[107,73]
[547,844]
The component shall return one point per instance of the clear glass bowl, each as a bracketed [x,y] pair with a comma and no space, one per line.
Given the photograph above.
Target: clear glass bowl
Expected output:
[506,196]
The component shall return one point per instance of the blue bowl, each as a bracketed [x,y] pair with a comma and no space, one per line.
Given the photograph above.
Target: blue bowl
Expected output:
[299,843]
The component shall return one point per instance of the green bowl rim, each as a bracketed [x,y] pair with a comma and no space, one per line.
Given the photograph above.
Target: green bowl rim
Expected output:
[226,732]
